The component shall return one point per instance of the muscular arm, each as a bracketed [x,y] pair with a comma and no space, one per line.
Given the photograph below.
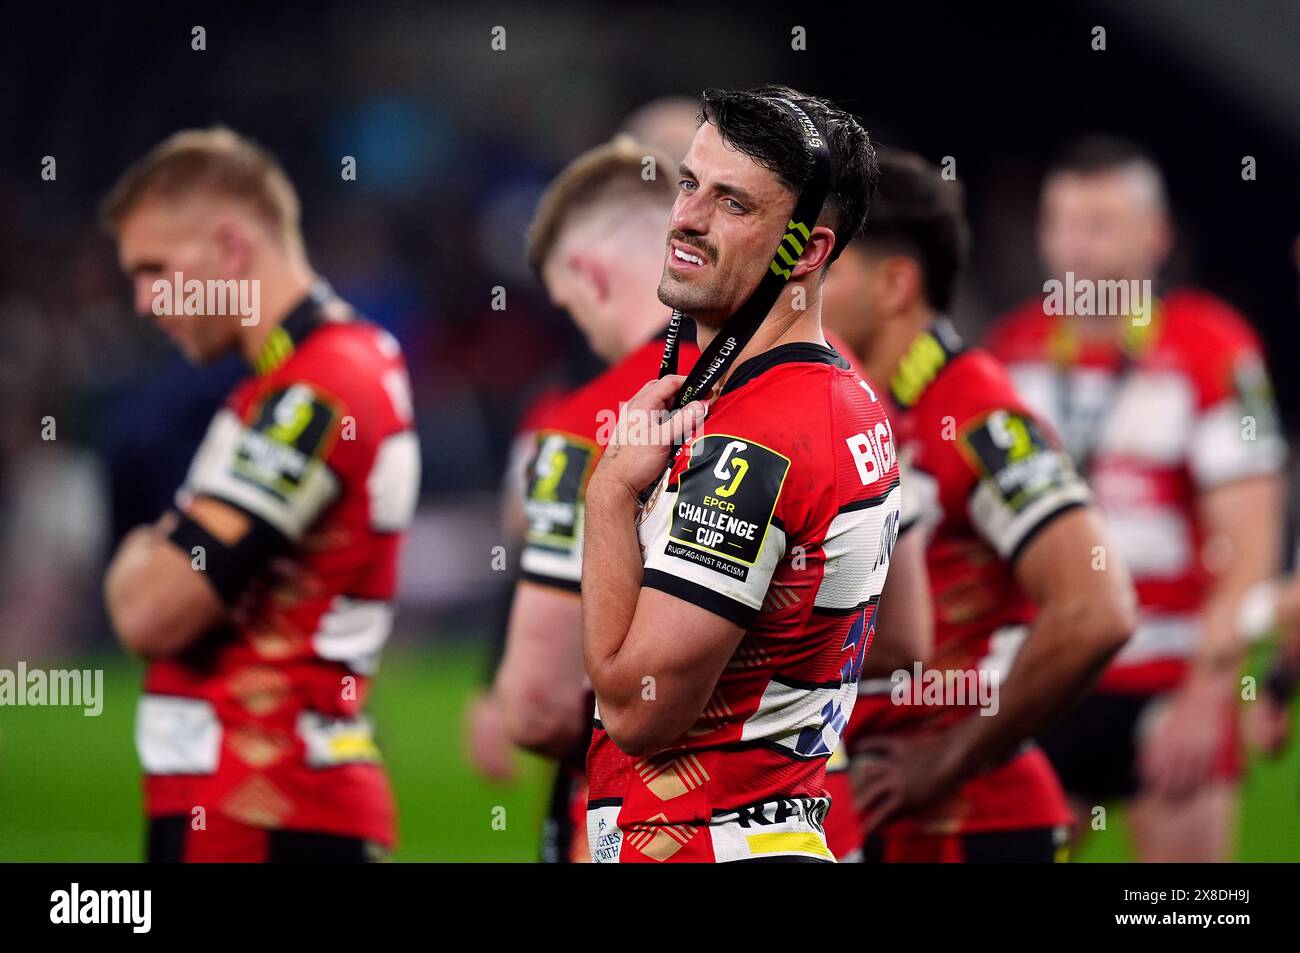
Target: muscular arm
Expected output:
[653,659]
[158,602]
[540,683]
[1084,616]
[905,620]
[1242,522]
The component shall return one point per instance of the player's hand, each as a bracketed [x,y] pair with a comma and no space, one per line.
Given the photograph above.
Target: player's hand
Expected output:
[490,751]
[167,523]
[1179,755]
[638,450]
[1267,725]
[893,776]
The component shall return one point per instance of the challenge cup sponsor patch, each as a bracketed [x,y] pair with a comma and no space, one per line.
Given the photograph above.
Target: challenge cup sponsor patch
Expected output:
[285,435]
[725,501]
[1012,453]
[556,481]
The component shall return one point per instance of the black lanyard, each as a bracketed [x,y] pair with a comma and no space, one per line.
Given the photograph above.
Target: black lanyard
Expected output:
[742,325]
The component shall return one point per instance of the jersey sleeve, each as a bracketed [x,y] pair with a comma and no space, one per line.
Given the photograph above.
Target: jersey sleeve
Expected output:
[270,460]
[714,535]
[554,504]
[1236,434]
[303,442]
[1022,479]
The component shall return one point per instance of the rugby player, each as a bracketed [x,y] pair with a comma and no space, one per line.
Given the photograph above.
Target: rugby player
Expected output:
[263,599]
[726,617]
[1166,408]
[595,242]
[1010,544]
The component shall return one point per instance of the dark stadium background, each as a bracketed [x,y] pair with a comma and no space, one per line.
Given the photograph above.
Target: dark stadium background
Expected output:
[453,143]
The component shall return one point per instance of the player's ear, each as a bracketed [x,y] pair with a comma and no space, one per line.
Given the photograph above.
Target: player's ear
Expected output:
[234,249]
[901,282]
[820,244]
[1163,238]
[592,275]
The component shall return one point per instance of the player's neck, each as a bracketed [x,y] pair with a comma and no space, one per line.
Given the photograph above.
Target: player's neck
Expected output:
[784,325]
[888,347]
[643,329]
[281,291]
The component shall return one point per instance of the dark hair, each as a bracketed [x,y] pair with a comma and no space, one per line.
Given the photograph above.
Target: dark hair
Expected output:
[1101,154]
[919,213]
[769,134]
[1095,154]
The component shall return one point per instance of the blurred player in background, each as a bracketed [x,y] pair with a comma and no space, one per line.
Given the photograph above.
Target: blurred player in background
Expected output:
[596,242]
[725,619]
[1164,403]
[1010,534]
[1274,607]
[666,125]
[263,599]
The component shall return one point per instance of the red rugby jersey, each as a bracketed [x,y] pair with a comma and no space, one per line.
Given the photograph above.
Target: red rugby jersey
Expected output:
[1156,417]
[264,722]
[569,441]
[981,477]
[779,514]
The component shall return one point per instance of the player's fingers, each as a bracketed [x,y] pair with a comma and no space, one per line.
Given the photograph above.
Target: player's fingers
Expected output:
[684,424]
[880,746]
[657,394]
[871,790]
[1151,763]
[885,812]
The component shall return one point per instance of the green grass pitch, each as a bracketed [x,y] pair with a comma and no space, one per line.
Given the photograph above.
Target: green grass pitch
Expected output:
[69,790]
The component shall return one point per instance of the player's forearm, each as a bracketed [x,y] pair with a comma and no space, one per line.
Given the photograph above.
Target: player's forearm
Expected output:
[150,593]
[123,584]
[1069,645]
[539,683]
[1245,544]
[611,583]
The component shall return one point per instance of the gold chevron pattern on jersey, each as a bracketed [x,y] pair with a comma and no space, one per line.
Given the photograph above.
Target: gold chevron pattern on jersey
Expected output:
[670,776]
[715,715]
[659,840]
[779,597]
[750,654]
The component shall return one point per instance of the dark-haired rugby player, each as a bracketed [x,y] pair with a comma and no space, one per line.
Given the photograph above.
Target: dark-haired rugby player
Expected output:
[1164,402]
[1023,619]
[725,619]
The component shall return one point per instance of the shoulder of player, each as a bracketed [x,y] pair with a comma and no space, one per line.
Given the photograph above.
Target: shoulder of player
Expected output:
[973,382]
[1021,333]
[1201,324]
[962,401]
[349,365]
[792,408]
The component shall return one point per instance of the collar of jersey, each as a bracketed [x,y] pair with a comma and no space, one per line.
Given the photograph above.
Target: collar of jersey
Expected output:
[929,353]
[288,334]
[1133,340]
[795,352]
